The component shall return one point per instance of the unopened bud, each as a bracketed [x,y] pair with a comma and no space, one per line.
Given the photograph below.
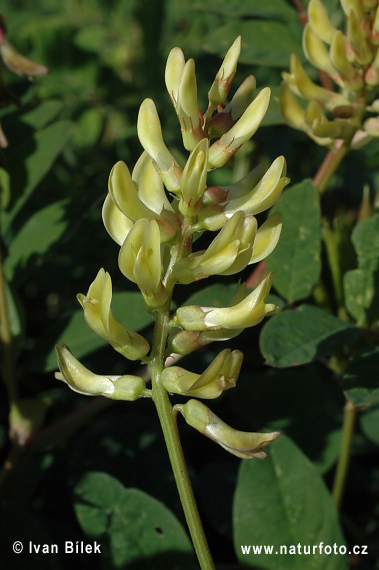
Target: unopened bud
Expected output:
[223,80]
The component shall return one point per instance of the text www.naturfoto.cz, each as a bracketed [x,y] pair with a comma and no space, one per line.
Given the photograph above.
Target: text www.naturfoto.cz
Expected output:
[304,549]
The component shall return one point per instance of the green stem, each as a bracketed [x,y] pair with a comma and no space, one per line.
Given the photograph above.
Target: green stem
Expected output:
[350,412]
[332,251]
[329,165]
[167,416]
[7,342]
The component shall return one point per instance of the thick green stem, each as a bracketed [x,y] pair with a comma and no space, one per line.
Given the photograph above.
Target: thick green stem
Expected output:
[167,416]
[350,412]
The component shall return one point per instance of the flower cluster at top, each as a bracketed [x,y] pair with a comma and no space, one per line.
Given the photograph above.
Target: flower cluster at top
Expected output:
[351,61]
[154,213]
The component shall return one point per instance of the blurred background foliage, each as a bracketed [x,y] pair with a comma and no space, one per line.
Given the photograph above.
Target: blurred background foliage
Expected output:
[105,57]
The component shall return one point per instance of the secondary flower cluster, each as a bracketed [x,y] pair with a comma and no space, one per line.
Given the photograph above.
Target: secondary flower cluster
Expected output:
[351,61]
[156,236]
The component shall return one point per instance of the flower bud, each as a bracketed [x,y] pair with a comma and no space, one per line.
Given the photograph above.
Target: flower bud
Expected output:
[223,80]
[319,20]
[181,84]
[174,72]
[150,136]
[349,77]
[140,261]
[247,313]
[240,443]
[83,381]
[194,179]
[356,37]
[242,131]
[316,52]
[220,375]
[187,109]
[98,315]
[225,119]
[18,63]
[309,90]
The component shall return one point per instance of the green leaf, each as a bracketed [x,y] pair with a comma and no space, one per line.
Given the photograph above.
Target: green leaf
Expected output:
[264,42]
[128,308]
[35,238]
[296,259]
[296,337]
[133,528]
[39,116]
[283,501]
[369,422]
[361,286]
[361,384]
[276,9]
[31,160]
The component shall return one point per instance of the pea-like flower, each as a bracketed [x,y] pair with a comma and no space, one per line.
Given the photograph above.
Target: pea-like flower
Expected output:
[229,253]
[181,85]
[140,261]
[220,375]
[247,194]
[83,381]
[150,135]
[240,443]
[98,315]
[140,195]
[242,131]
[247,313]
